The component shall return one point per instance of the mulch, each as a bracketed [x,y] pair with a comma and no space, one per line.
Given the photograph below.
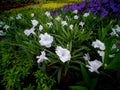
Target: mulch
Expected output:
[11,6]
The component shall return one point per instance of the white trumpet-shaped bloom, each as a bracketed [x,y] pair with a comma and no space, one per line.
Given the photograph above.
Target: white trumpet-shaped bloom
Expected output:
[2,33]
[75,11]
[29,31]
[47,13]
[42,57]
[34,23]
[64,23]
[58,18]
[6,27]
[63,54]
[76,17]
[118,29]
[102,54]
[19,16]
[71,27]
[46,40]
[32,15]
[114,32]
[94,66]
[40,27]
[50,24]
[81,23]
[98,44]
[86,57]
[86,14]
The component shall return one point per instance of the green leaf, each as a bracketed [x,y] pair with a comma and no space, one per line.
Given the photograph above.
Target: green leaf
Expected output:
[115,62]
[93,83]
[108,44]
[78,88]
[74,68]
[52,54]
[80,48]
[59,75]
[85,75]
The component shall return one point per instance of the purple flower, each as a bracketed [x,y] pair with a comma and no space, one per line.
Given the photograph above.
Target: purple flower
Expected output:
[74,6]
[102,7]
[91,10]
[81,5]
[113,6]
[103,13]
[104,1]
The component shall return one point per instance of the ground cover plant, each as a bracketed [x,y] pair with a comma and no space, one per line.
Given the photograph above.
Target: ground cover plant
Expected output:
[76,47]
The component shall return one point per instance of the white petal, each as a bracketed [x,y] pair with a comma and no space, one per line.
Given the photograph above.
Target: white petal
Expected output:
[86,14]
[63,54]
[40,27]
[46,40]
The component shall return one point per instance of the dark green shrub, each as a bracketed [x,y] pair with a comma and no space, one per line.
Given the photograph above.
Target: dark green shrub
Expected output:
[15,1]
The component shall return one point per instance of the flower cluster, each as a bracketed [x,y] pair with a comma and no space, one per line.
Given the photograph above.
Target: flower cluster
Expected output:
[96,64]
[47,40]
[115,31]
[4,27]
[102,7]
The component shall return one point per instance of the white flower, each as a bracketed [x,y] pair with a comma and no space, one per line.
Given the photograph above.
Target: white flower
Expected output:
[40,27]
[114,32]
[2,33]
[114,46]
[94,66]
[58,18]
[32,14]
[6,27]
[117,29]
[67,17]
[86,14]
[29,31]
[75,11]
[50,24]
[19,16]
[46,40]
[111,55]
[94,17]
[42,57]
[47,14]
[98,44]
[34,23]
[76,17]
[64,23]
[71,26]
[63,54]
[81,23]
[101,53]
[86,57]
[1,23]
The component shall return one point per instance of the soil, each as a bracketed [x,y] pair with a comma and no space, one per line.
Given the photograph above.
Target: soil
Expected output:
[16,5]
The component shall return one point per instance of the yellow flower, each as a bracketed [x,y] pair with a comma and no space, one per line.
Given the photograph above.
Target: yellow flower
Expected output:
[53,5]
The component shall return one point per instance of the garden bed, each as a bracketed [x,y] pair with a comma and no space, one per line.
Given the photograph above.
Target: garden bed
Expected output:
[74,47]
